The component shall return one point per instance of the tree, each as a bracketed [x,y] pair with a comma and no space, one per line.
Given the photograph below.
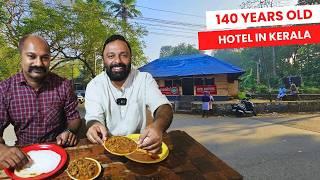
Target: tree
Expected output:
[308,2]
[74,33]
[308,58]
[166,51]
[124,9]
[11,15]
[181,49]
[9,60]
[230,56]
[261,4]
[71,69]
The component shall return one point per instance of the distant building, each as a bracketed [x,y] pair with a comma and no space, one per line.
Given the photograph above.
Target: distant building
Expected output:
[194,74]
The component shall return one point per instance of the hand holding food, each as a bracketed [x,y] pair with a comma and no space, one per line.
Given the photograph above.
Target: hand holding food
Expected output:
[144,156]
[151,139]
[43,161]
[97,133]
[12,157]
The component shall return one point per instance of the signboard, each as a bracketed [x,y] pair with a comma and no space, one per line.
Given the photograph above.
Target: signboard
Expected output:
[273,26]
[170,91]
[212,89]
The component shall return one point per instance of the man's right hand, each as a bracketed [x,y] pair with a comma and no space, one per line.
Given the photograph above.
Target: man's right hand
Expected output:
[13,157]
[97,133]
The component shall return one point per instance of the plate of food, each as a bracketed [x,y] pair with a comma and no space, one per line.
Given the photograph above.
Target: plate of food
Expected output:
[47,159]
[143,156]
[84,168]
[120,145]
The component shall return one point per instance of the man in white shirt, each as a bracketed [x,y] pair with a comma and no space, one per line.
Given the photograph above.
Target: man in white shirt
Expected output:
[117,99]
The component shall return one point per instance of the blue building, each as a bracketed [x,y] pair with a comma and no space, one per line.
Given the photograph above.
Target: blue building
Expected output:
[194,74]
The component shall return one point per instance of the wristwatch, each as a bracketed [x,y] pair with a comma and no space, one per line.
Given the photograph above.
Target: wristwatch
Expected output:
[70,130]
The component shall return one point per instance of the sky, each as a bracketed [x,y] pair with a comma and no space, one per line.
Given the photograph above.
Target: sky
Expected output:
[174,22]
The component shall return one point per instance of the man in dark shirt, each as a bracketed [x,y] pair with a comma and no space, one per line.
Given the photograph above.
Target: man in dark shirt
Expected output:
[39,104]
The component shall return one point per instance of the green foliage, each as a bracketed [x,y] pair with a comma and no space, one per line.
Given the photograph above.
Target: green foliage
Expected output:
[181,49]
[241,95]
[69,70]
[248,81]
[124,9]
[262,89]
[9,60]
[308,60]
[231,56]
[75,33]
[3,15]
[309,90]
[240,58]
[303,61]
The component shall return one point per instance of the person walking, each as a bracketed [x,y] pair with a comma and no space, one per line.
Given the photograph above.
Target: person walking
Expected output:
[205,104]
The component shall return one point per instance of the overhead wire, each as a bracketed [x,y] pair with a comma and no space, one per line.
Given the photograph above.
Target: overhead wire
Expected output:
[174,12]
[169,22]
[170,25]
[175,35]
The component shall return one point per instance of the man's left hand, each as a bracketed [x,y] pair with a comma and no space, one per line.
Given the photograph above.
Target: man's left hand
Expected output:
[151,139]
[67,138]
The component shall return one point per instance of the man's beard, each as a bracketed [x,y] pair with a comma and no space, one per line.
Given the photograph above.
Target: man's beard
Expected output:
[118,76]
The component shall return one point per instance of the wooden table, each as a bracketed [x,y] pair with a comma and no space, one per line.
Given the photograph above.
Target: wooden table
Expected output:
[187,159]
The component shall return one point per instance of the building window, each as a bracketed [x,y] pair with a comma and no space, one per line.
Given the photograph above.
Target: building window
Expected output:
[198,81]
[176,82]
[168,83]
[209,81]
[204,81]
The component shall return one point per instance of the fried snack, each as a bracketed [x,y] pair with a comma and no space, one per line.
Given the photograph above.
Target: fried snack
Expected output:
[120,145]
[143,155]
[86,168]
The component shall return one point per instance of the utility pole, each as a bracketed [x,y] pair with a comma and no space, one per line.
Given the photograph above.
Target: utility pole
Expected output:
[258,71]
[274,62]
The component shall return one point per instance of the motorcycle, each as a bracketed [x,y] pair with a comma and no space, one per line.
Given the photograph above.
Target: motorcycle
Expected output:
[244,108]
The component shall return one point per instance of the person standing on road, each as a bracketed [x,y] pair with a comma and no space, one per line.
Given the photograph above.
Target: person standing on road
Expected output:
[116,100]
[39,104]
[210,102]
[205,104]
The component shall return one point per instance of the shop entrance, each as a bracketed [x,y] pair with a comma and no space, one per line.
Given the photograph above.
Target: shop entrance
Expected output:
[187,86]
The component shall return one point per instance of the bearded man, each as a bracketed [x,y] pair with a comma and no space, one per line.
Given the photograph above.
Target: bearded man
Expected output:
[117,100]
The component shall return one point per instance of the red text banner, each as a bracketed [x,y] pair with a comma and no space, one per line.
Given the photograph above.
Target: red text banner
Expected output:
[200,89]
[258,17]
[171,91]
[256,37]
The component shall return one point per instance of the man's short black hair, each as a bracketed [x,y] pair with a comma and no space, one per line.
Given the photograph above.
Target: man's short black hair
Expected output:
[114,38]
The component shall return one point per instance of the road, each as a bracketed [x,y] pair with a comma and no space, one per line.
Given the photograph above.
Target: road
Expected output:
[271,146]
[265,147]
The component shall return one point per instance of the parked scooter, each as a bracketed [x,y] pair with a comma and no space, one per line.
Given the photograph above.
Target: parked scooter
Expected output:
[244,108]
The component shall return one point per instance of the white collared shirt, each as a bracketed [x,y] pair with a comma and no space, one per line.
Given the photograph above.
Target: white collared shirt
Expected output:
[141,92]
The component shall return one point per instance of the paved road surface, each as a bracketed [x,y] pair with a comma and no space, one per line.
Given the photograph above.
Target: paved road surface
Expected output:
[261,147]
[273,146]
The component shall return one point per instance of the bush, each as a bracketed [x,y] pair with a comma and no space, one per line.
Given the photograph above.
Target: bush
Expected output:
[309,90]
[241,95]
[262,89]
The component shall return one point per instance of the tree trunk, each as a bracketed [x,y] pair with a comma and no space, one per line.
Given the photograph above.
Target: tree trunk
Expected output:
[274,62]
